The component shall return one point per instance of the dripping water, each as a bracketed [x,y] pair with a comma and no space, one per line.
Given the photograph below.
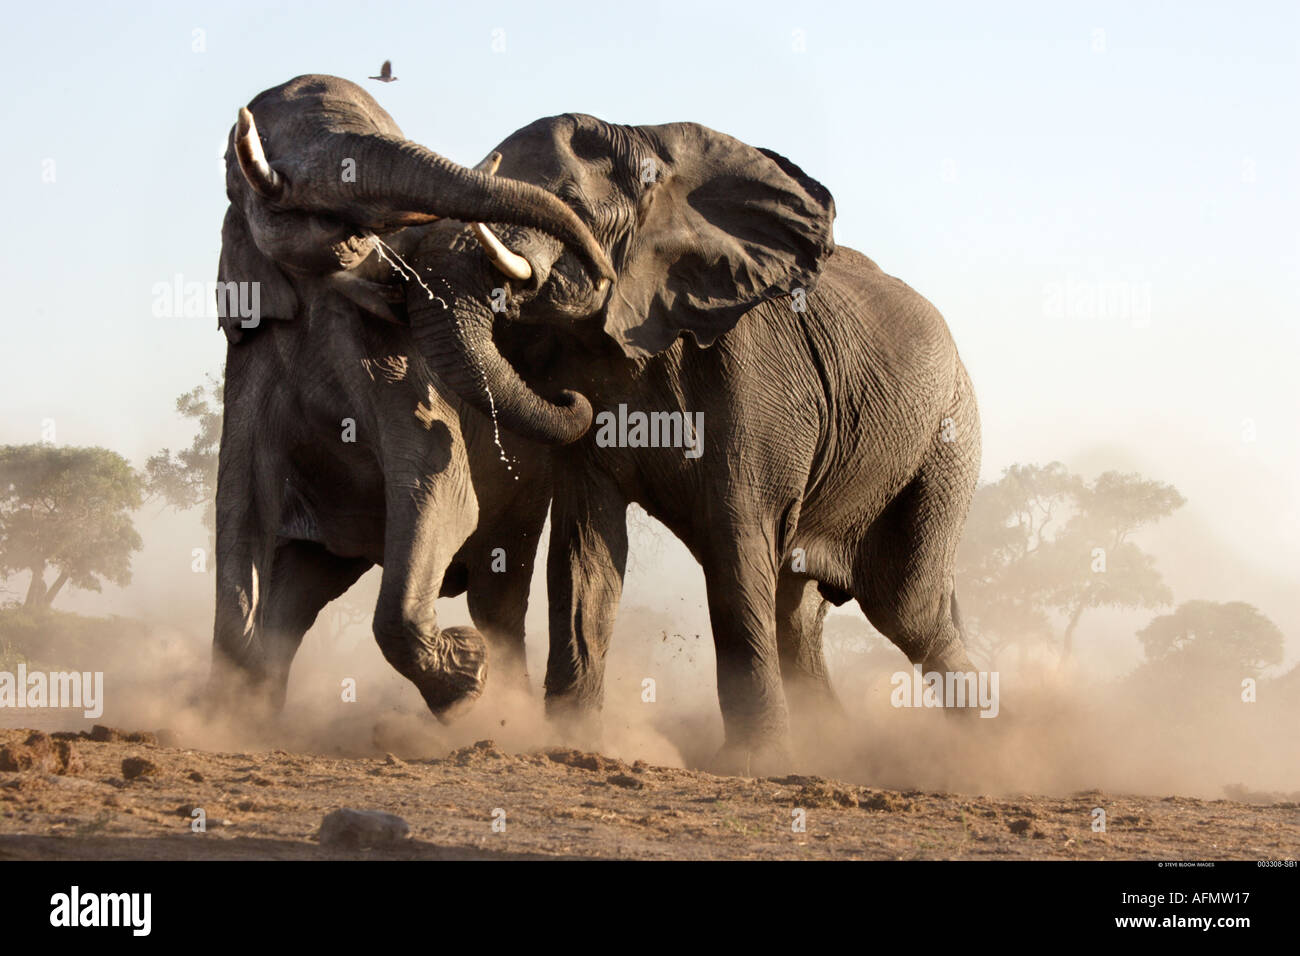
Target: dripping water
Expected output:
[492,405]
[401,266]
[407,271]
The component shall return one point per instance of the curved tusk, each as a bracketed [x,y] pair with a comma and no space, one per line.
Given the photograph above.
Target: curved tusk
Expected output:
[252,160]
[490,163]
[512,265]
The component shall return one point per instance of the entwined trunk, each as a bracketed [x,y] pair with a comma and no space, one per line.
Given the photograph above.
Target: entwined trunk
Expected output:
[457,343]
[398,176]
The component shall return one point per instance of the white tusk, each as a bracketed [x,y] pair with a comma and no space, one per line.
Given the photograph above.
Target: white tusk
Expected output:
[512,265]
[252,159]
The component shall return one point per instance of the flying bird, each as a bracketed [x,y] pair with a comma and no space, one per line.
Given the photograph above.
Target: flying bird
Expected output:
[385,73]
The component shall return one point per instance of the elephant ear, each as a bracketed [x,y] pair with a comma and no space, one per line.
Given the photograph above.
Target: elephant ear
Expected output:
[241,261]
[720,227]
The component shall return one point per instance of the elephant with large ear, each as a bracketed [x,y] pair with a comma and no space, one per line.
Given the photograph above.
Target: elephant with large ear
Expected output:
[339,449]
[799,418]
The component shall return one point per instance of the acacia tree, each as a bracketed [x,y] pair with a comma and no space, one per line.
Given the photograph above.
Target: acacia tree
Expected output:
[67,509]
[1094,562]
[1202,635]
[1010,520]
[1042,543]
[189,478]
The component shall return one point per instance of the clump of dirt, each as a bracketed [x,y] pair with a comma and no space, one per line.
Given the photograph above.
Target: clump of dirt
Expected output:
[883,800]
[135,767]
[585,761]
[816,792]
[484,751]
[819,792]
[627,780]
[41,752]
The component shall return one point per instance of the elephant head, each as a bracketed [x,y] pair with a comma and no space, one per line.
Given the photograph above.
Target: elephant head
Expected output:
[699,226]
[316,169]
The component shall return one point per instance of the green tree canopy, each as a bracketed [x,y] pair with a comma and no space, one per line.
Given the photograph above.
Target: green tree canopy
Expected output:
[68,509]
[1208,634]
[189,478]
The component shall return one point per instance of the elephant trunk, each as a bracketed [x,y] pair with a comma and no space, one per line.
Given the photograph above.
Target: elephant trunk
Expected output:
[457,343]
[406,182]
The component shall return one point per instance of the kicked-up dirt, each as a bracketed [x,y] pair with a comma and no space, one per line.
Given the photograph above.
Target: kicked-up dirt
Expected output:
[109,795]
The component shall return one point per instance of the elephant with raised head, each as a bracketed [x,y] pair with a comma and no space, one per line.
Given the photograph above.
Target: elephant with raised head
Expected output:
[812,433]
[339,449]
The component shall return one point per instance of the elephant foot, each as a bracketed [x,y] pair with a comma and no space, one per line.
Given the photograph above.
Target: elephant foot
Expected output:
[577,721]
[813,703]
[241,695]
[509,670]
[817,723]
[955,660]
[758,759]
[451,678]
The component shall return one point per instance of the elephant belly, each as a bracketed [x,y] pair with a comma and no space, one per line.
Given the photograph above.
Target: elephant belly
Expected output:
[344,517]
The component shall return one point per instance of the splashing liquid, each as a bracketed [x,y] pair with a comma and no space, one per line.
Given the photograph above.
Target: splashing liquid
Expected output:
[401,266]
[407,271]
[492,405]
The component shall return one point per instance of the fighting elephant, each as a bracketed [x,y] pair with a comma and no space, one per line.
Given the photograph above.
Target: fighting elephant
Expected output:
[339,449]
[799,418]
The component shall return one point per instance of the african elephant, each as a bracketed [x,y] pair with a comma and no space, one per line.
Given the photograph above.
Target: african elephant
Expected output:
[812,432]
[339,449]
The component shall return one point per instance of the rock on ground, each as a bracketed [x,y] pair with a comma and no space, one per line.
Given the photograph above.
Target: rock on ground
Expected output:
[357,829]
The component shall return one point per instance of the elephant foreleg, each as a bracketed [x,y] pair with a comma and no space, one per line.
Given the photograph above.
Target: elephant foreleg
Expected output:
[429,517]
[501,557]
[243,559]
[741,578]
[584,579]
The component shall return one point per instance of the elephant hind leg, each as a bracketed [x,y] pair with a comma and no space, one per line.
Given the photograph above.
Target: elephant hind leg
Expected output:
[904,578]
[800,611]
[904,574]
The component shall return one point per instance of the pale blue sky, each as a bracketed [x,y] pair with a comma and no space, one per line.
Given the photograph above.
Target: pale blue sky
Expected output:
[993,155]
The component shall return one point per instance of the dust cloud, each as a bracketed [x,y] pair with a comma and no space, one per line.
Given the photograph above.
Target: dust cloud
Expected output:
[1058,730]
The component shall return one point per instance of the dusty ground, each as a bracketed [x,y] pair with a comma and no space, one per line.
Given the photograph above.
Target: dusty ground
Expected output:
[73,801]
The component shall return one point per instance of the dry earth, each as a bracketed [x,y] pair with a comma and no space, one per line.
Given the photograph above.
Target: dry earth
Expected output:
[109,795]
